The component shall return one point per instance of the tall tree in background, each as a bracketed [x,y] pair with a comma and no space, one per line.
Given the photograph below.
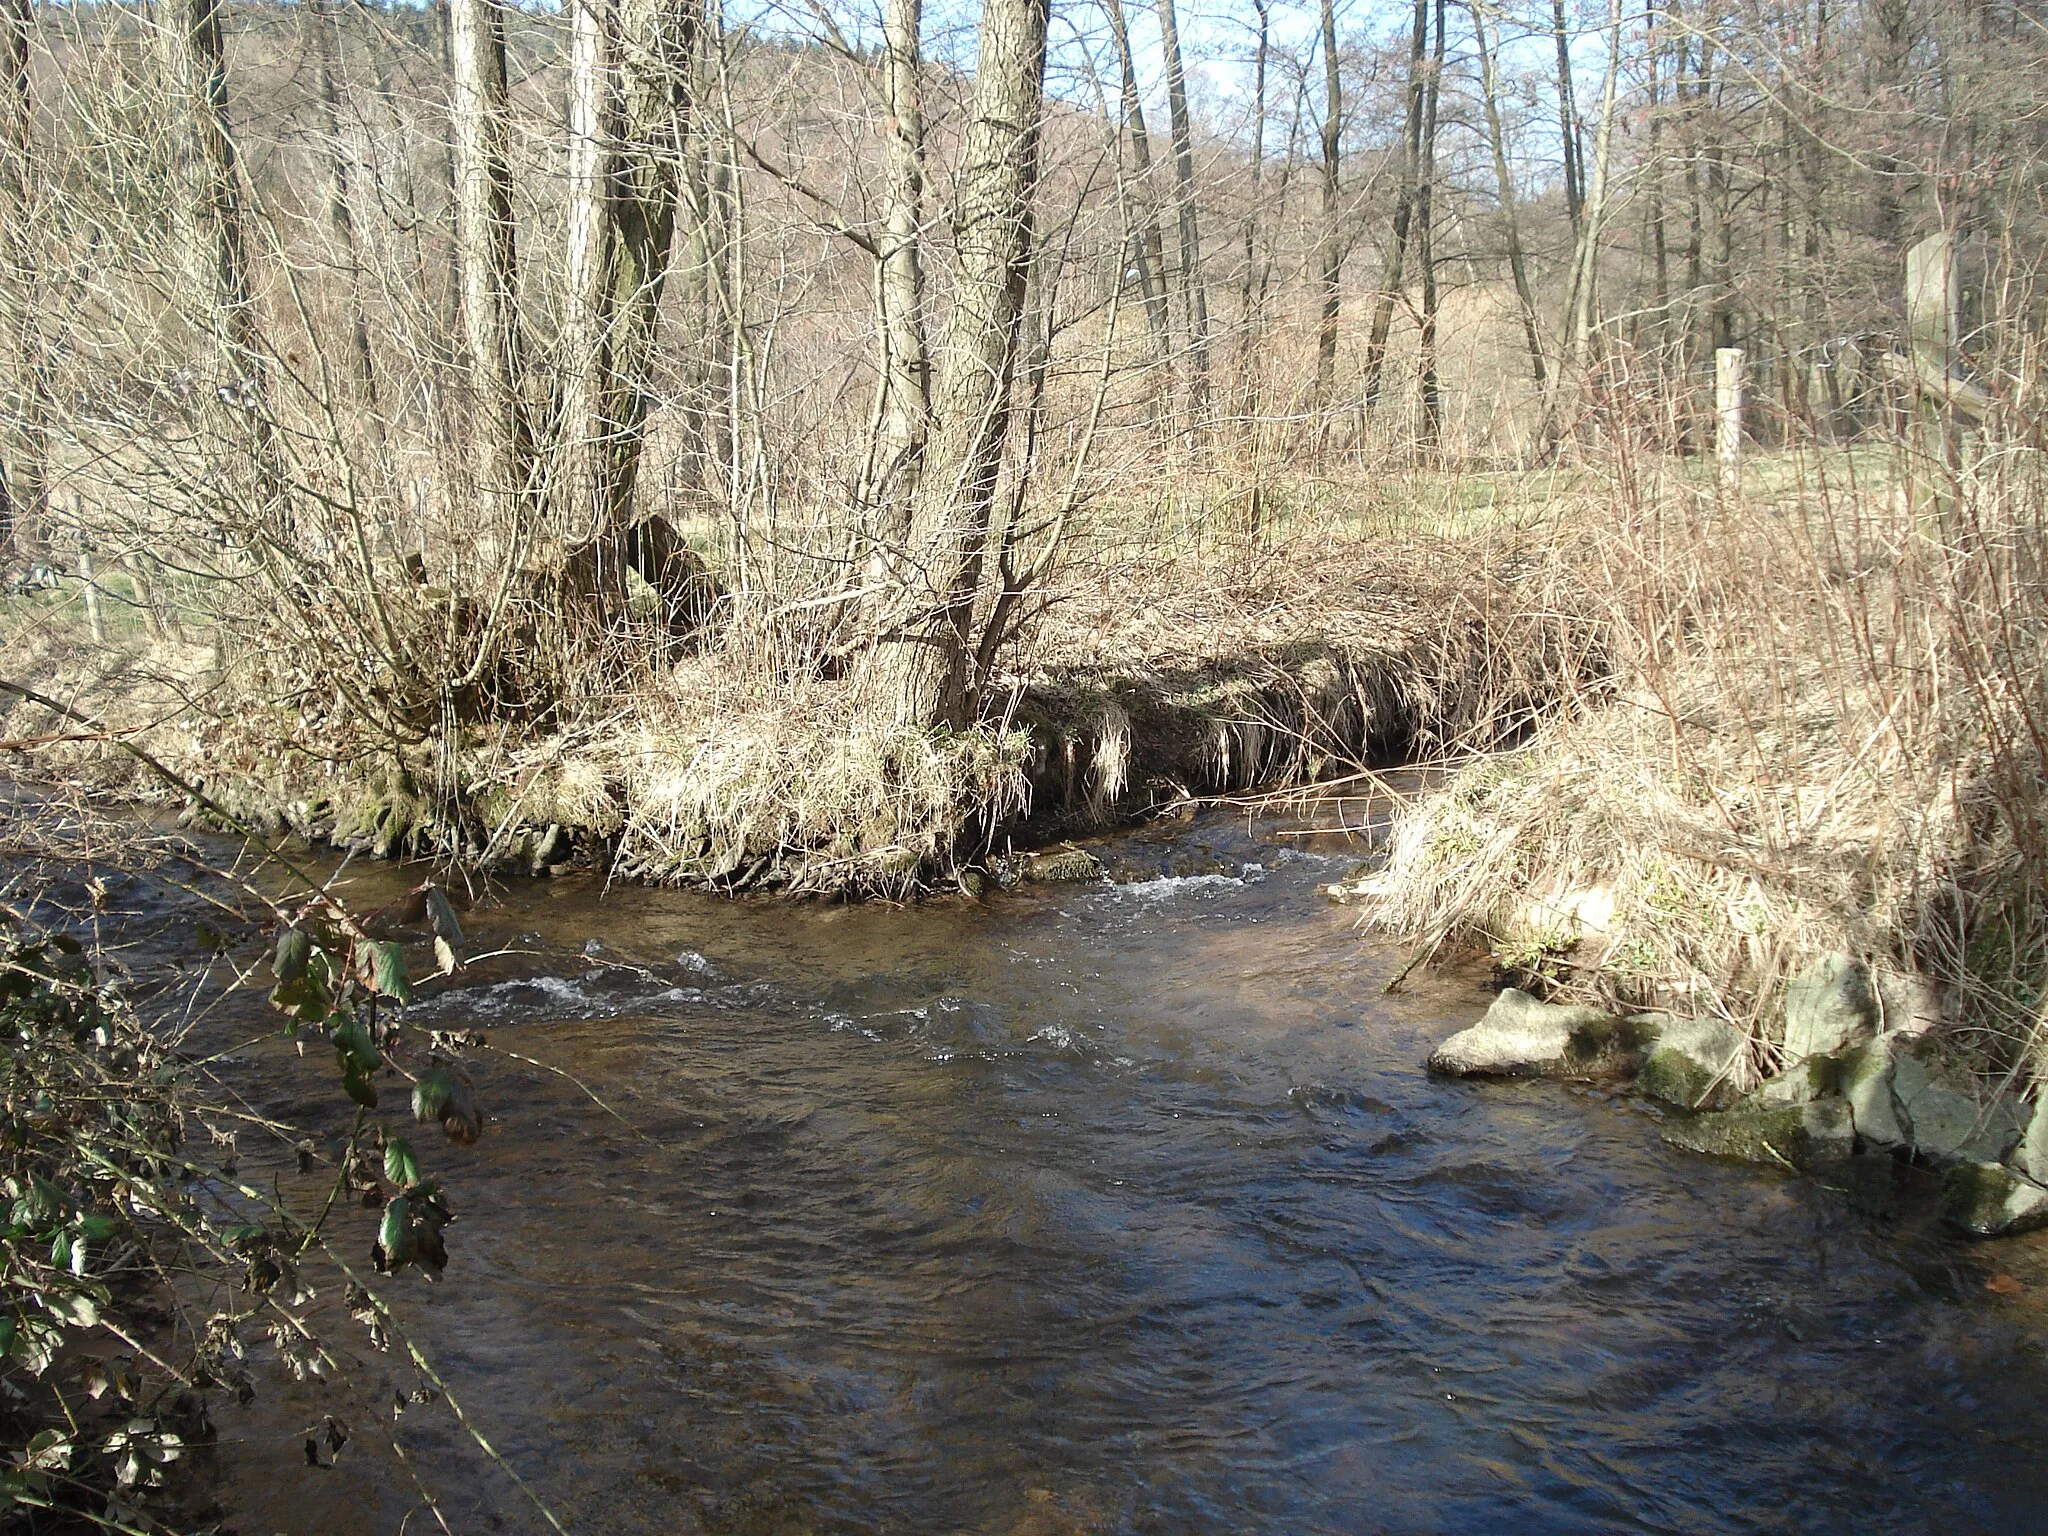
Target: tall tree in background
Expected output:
[1404,209]
[905,383]
[1148,249]
[207,201]
[1194,297]
[1504,182]
[324,43]
[1332,252]
[24,453]
[488,253]
[1425,250]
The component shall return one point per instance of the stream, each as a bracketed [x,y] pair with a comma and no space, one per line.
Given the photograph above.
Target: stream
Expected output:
[1106,1208]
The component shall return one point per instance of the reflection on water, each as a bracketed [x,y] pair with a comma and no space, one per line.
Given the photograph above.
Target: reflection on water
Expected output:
[1122,1209]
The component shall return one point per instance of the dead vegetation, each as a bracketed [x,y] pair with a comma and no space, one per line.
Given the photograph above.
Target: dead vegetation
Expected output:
[1826,733]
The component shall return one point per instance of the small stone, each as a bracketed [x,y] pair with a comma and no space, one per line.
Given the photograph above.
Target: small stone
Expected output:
[1804,1136]
[1866,1078]
[1828,1006]
[1987,1200]
[1522,1037]
[1692,1063]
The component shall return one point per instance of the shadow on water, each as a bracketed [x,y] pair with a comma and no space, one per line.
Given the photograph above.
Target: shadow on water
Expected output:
[1123,1208]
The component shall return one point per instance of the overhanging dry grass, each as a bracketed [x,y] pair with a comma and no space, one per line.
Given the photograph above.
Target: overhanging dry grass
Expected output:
[1828,734]
[1177,666]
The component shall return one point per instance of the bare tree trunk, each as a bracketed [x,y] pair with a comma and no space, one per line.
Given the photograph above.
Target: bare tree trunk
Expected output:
[925,667]
[1194,297]
[208,198]
[1660,245]
[906,365]
[488,249]
[1586,259]
[1425,249]
[1518,265]
[629,111]
[324,45]
[1148,249]
[1250,293]
[1404,209]
[1332,253]
[1568,121]
[24,453]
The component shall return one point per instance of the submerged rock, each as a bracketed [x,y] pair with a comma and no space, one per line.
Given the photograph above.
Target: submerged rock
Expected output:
[1522,1037]
[1692,1063]
[1988,1200]
[1829,1005]
[1804,1136]
[1061,866]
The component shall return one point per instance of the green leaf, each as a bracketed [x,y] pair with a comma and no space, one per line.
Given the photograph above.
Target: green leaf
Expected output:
[385,970]
[441,919]
[352,1042]
[294,949]
[396,1244]
[401,1165]
[431,1095]
[356,1083]
[97,1229]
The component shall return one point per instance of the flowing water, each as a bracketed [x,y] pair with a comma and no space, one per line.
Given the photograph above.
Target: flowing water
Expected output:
[1117,1208]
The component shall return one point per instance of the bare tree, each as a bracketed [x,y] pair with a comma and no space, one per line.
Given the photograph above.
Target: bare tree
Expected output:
[207,199]
[1194,297]
[629,115]
[1332,254]
[24,471]
[323,42]
[502,424]
[1425,247]
[924,666]
[1148,250]
[1504,181]
[1404,209]
[905,406]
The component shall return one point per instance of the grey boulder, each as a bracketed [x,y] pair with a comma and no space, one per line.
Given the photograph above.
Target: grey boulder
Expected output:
[1805,1136]
[1989,1200]
[1692,1063]
[2031,1155]
[1945,1121]
[1828,1005]
[1523,1037]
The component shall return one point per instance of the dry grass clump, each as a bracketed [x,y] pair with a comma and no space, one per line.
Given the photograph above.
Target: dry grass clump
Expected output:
[835,805]
[1831,733]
